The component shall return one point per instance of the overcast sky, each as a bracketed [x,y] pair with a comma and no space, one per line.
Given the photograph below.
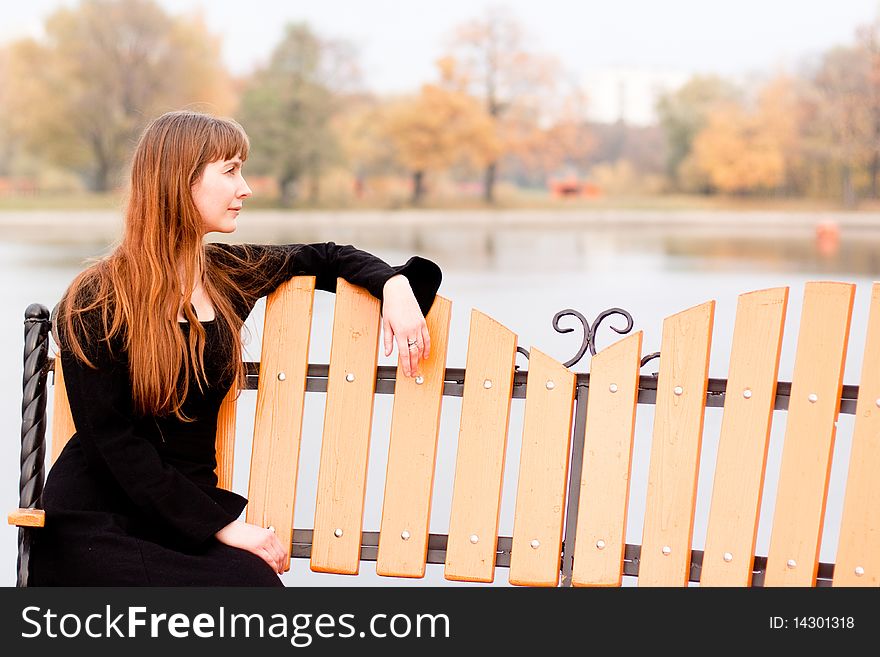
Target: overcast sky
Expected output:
[641,42]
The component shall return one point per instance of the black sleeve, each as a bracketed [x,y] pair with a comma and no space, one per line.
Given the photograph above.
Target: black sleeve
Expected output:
[261,268]
[101,405]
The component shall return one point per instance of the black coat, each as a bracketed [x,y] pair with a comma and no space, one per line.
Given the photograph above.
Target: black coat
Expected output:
[134,500]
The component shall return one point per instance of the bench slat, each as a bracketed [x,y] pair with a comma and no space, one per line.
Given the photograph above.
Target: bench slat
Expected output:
[224,442]
[859,544]
[745,436]
[342,476]
[543,473]
[675,450]
[482,443]
[62,420]
[608,444]
[279,410]
[793,558]
[412,452]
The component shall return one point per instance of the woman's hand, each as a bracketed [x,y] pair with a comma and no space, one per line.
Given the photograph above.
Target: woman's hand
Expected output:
[402,319]
[262,542]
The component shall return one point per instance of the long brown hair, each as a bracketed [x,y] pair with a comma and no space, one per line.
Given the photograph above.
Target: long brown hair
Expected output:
[137,289]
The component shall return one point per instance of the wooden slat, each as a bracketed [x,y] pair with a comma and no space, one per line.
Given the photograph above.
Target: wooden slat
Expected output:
[745,436]
[858,549]
[543,473]
[224,443]
[342,477]
[675,451]
[278,417]
[412,451]
[482,442]
[608,445]
[27,518]
[793,559]
[62,420]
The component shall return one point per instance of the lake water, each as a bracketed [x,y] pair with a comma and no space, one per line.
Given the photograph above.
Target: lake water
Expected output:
[520,272]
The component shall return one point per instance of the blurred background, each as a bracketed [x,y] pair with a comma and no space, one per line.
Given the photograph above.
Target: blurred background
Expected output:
[547,155]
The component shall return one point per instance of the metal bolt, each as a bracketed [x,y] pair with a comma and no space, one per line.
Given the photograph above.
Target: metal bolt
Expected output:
[791,563]
[613,387]
[728,556]
[474,538]
[747,393]
[600,544]
[271,528]
[404,535]
[281,376]
[813,397]
[535,543]
[338,532]
[678,390]
[420,380]
[666,550]
[550,385]
[859,571]
[877,401]
[487,384]
[349,377]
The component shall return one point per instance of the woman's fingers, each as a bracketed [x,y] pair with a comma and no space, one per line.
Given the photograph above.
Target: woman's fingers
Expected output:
[388,336]
[403,348]
[266,556]
[414,346]
[275,548]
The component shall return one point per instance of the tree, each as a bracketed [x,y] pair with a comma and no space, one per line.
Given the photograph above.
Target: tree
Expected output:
[537,147]
[104,69]
[7,135]
[435,129]
[683,114]
[737,152]
[782,115]
[868,40]
[363,139]
[842,129]
[289,105]
[495,66]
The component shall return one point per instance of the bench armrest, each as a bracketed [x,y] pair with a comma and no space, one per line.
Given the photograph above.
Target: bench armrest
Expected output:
[27,518]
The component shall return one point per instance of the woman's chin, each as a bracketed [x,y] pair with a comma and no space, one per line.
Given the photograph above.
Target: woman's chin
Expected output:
[226,227]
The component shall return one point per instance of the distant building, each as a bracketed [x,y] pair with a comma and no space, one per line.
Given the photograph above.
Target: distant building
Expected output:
[628,94]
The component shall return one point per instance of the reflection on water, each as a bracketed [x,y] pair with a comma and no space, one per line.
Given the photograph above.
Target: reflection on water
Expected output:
[538,241]
[520,275]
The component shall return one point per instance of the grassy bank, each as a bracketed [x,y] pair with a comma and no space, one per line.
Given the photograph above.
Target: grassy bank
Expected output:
[521,200]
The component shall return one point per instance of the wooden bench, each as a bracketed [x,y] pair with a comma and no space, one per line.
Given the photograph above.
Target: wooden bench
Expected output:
[575,465]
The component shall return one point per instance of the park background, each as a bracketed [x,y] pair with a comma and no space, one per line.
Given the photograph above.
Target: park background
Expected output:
[547,155]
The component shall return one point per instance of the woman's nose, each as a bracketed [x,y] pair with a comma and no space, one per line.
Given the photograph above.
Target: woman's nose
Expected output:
[244,191]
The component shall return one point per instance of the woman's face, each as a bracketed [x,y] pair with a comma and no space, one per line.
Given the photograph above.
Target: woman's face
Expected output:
[219,193]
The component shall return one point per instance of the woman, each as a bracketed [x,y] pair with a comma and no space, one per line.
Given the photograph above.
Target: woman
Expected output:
[150,345]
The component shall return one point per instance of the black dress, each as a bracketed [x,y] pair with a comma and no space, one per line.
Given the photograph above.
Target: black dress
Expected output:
[133,501]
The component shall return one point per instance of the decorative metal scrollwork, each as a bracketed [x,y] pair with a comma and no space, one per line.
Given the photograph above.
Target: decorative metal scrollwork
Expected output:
[589,341]
[648,358]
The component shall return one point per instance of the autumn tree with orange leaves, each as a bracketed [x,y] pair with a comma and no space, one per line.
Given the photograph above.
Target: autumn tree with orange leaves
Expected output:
[743,150]
[437,128]
[80,95]
[494,65]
